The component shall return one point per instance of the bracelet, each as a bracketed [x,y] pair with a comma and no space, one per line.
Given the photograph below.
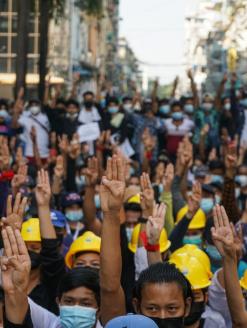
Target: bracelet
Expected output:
[100,147]
[148,247]
[149,155]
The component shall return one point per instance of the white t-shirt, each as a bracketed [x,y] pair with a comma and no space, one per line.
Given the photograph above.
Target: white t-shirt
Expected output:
[181,130]
[27,120]
[89,116]
[42,318]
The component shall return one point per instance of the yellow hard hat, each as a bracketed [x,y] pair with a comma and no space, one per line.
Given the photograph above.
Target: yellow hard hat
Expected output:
[243,280]
[193,270]
[135,199]
[88,242]
[164,242]
[194,251]
[197,222]
[30,230]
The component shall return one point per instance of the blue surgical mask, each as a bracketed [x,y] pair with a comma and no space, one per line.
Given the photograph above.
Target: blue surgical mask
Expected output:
[161,188]
[216,178]
[77,316]
[213,253]
[97,201]
[193,240]
[164,109]
[4,114]
[113,109]
[74,216]
[227,106]
[207,205]
[207,106]
[243,102]
[189,108]
[177,116]
[242,180]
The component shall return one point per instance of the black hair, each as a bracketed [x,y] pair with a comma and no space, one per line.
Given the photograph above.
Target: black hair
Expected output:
[4,102]
[113,100]
[72,102]
[162,273]
[61,101]
[88,93]
[126,98]
[176,104]
[80,277]
[163,101]
[216,164]
[135,207]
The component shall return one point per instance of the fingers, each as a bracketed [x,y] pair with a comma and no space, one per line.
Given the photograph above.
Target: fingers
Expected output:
[162,210]
[9,205]
[22,207]
[224,216]
[6,243]
[121,165]
[22,249]
[215,216]
[219,216]
[114,168]
[109,169]
[12,240]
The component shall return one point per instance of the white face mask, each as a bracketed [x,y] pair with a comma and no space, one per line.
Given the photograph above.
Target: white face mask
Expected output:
[127,107]
[35,110]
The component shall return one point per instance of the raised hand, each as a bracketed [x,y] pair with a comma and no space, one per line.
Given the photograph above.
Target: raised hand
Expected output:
[168,177]
[74,147]
[231,159]
[113,185]
[4,155]
[155,224]
[189,74]
[195,199]
[15,213]
[43,189]
[15,264]
[63,144]
[59,168]
[33,135]
[147,195]
[222,233]
[19,158]
[92,172]
[20,178]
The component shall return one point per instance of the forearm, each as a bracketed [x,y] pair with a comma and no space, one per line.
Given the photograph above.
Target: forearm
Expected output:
[202,147]
[178,233]
[46,227]
[36,155]
[56,185]
[16,307]
[229,200]
[89,209]
[154,257]
[233,292]
[178,200]
[166,198]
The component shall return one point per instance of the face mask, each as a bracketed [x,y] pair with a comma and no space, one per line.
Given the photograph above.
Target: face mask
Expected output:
[161,188]
[113,110]
[237,192]
[4,114]
[77,316]
[189,108]
[227,106]
[169,322]
[74,216]
[207,205]
[129,233]
[97,201]
[35,110]
[72,116]
[242,180]
[197,309]
[80,182]
[88,104]
[243,102]
[217,199]
[207,106]
[35,259]
[193,240]
[216,178]
[213,253]
[164,109]
[127,107]
[137,107]
[177,116]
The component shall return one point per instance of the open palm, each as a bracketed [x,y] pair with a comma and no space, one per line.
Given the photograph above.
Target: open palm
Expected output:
[43,189]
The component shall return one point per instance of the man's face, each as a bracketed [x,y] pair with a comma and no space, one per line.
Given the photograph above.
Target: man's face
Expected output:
[34,246]
[134,181]
[81,296]
[72,109]
[163,300]
[87,259]
[132,218]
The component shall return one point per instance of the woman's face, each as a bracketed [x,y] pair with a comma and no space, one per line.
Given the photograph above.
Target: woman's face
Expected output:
[163,300]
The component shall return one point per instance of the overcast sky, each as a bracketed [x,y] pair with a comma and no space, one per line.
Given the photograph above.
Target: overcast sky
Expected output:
[156,32]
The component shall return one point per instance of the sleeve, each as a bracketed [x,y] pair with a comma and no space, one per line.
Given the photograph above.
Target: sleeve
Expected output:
[42,318]
[26,324]
[70,180]
[178,233]
[178,200]
[166,198]
[4,189]
[229,200]
[53,266]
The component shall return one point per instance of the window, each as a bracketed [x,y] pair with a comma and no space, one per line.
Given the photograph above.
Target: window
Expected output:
[3,24]
[3,65]
[3,5]
[3,44]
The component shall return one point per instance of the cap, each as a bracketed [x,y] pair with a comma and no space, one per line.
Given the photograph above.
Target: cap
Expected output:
[208,188]
[131,321]
[71,198]
[201,171]
[58,219]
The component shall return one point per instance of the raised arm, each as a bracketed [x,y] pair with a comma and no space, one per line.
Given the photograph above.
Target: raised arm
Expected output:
[111,196]
[154,97]
[223,237]
[89,208]
[43,197]
[174,87]
[193,88]
[220,92]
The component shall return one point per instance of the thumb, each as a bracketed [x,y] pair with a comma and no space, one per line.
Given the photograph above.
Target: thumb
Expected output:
[106,182]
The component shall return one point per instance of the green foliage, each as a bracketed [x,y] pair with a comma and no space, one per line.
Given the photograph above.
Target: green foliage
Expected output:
[91,7]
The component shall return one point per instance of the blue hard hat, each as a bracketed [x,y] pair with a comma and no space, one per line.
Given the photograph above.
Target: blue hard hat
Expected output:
[58,219]
[131,321]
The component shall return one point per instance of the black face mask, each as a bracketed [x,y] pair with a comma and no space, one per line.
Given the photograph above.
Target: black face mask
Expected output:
[197,309]
[88,104]
[169,322]
[35,259]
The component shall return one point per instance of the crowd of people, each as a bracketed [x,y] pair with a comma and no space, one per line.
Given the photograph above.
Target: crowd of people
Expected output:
[123,211]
